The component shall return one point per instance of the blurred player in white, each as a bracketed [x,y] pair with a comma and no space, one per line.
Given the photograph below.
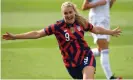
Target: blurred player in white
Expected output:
[99,15]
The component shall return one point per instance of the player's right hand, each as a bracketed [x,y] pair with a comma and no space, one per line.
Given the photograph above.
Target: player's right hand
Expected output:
[8,36]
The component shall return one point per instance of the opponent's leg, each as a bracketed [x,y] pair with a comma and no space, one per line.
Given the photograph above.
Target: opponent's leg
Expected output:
[104,57]
[96,52]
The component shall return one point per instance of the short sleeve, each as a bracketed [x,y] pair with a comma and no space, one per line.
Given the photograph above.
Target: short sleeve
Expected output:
[50,29]
[89,27]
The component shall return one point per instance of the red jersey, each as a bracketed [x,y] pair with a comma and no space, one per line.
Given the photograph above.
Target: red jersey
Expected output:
[71,41]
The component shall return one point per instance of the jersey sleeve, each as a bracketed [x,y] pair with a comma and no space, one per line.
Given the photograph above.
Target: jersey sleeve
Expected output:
[49,30]
[89,27]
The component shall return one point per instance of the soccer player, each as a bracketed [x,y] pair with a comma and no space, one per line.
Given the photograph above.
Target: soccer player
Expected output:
[77,55]
[99,16]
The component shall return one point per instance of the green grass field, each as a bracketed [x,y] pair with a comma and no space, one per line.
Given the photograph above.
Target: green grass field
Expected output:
[41,58]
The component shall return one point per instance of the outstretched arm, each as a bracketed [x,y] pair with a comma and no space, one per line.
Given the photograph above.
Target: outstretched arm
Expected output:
[87,5]
[99,30]
[27,35]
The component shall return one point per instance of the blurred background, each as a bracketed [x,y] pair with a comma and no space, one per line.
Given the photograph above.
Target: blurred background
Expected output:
[41,58]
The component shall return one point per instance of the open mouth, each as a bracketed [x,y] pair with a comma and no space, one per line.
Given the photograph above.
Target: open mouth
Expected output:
[70,18]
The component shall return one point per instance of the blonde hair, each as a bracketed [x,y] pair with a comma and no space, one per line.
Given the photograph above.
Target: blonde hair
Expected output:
[81,20]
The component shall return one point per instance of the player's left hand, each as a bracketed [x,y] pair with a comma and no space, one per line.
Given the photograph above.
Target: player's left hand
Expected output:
[116,32]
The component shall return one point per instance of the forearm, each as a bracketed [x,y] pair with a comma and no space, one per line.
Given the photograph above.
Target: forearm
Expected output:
[28,35]
[100,30]
[87,5]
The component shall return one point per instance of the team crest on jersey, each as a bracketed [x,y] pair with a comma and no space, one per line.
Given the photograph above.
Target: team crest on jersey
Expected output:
[72,29]
[78,27]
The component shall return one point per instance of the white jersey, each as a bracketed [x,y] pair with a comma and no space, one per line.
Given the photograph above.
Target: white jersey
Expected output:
[100,11]
[99,16]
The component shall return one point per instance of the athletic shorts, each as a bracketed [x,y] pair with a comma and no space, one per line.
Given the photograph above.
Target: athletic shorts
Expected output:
[100,22]
[76,72]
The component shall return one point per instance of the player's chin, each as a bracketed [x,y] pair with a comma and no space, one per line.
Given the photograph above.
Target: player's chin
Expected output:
[70,21]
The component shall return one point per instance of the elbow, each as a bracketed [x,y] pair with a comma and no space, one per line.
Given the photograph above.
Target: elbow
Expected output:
[98,31]
[84,8]
[95,30]
[36,35]
[39,35]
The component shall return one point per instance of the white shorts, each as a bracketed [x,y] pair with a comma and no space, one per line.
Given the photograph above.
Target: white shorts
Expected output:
[100,22]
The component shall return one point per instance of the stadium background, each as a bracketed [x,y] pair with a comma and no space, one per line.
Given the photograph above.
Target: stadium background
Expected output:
[41,58]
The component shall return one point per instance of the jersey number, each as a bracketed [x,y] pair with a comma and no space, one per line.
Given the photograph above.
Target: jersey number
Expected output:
[67,36]
[85,60]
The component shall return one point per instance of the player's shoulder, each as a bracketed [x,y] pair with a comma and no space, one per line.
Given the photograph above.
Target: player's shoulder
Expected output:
[60,21]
